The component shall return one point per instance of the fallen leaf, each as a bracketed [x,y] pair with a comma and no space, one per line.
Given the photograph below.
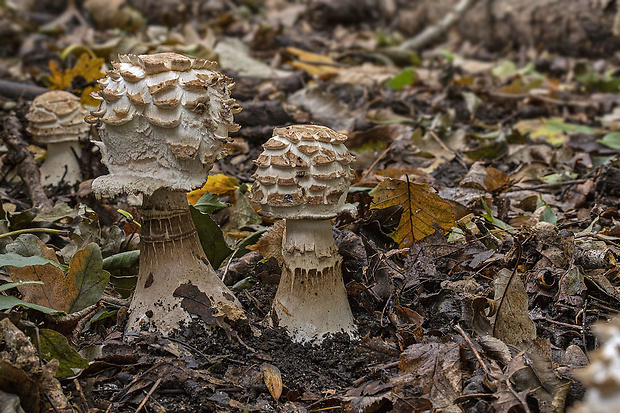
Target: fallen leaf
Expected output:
[272,379]
[87,67]
[86,268]
[55,346]
[513,324]
[422,209]
[311,63]
[218,184]
[434,371]
[552,130]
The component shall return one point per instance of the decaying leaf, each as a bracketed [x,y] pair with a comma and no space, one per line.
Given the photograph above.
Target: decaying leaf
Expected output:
[423,209]
[270,243]
[512,321]
[435,371]
[82,286]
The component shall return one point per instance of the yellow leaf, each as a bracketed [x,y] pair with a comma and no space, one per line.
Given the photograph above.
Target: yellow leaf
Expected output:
[86,67]
[311,63]
[219,184]
[552,130]
[422,208]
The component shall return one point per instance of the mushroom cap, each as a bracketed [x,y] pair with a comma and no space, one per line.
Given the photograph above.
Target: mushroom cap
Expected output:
[57,116]
[164,119]
[303,173]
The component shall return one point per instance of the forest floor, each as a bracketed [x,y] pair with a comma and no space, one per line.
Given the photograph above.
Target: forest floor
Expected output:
[490,307]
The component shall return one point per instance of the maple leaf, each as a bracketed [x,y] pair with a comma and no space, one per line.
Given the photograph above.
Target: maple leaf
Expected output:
[422,209]
[87,67]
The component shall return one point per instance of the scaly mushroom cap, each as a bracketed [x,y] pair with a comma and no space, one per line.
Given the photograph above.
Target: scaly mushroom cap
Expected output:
[303,173]
[57,116]
[164,119]
[602,376]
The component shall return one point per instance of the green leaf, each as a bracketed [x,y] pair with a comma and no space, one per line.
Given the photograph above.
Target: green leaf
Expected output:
[8,302]
[122,260]
[497,222]
[8,286]
[15,260]
[611,140]
[90,278]
[55,346]
[404,78]
[547,215]
[211,238]
[209,203]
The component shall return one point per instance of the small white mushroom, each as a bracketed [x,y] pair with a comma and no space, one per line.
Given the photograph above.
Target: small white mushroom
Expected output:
[303,176]
[56,119]
[163,121]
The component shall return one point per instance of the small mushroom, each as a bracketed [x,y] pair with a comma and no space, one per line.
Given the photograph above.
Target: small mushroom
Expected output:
[56,119]
[163,121]
[303,176]
[602,376]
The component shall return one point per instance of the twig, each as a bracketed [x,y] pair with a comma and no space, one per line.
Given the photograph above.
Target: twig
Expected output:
[31,230]
[26,165]
[549,185]
[445,147]
[371,167]
[15,90]
[148,395]
[471,346]
[431,33]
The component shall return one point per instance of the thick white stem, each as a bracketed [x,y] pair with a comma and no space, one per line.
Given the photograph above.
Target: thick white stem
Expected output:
[61,164]
[311,300]
[175,280]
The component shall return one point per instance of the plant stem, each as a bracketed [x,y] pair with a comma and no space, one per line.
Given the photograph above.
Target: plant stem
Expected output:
[30,230]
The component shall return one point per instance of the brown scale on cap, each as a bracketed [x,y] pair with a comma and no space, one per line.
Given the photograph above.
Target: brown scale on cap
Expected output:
[305,167]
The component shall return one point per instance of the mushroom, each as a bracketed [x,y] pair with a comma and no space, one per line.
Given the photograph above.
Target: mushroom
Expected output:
[303,176]
[163,121]
[56,119]
[602,376]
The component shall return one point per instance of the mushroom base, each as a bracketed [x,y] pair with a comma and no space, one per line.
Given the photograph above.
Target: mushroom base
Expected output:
[62,164]
[311,300]
[175,281]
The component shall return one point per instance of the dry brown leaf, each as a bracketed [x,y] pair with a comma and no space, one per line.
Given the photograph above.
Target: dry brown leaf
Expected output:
[422,209]
[57,292]
[513,324]
[272,379]
[270,243]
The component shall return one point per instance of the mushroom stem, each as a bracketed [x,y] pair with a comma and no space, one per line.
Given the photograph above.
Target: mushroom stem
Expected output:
[61,164]
[173,262]
[311,300]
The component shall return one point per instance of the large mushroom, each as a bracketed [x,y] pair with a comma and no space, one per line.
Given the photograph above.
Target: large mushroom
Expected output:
[303,176]
[163,121]
[602,376]
[56,119]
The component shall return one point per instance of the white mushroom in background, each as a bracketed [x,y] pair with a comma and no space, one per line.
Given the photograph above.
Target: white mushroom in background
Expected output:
[303,176]
[164,119]
[56,119]
[602,376]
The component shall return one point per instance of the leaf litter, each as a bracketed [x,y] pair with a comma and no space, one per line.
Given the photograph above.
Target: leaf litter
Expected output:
[484,249]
